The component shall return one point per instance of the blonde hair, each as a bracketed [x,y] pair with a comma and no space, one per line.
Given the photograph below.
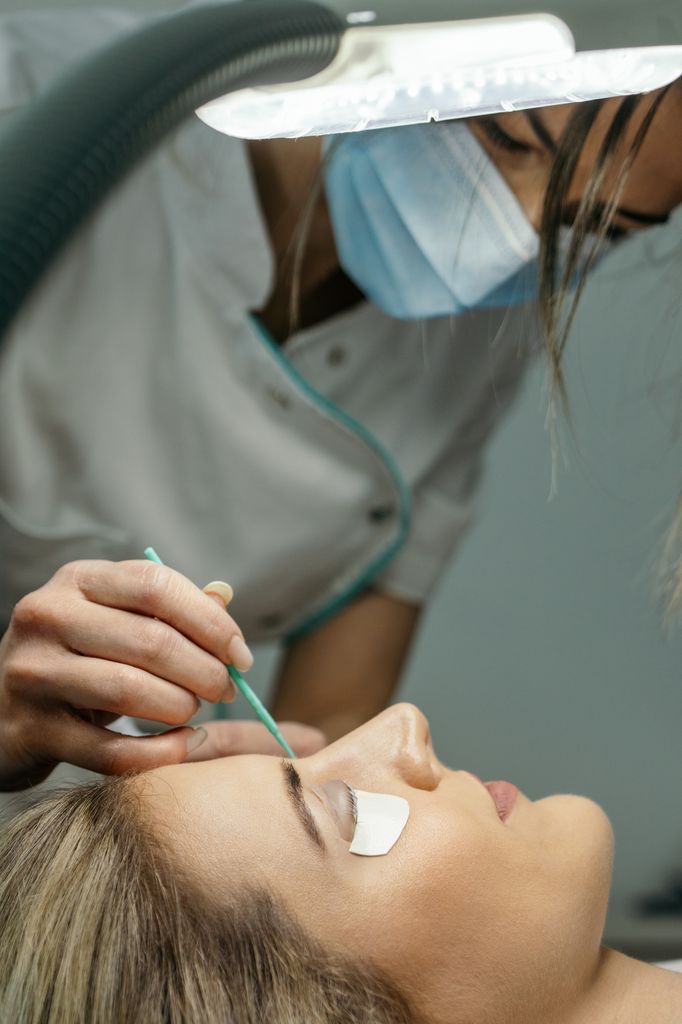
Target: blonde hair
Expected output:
[97,927]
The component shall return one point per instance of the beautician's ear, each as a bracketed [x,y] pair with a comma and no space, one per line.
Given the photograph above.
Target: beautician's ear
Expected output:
[228,738]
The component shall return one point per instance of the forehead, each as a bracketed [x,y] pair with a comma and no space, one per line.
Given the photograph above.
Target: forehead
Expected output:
[667,116]
[224,818]
[655,180]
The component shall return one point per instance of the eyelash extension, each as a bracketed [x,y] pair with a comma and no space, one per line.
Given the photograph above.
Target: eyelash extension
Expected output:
[500,138]
[617,234]
[352,803]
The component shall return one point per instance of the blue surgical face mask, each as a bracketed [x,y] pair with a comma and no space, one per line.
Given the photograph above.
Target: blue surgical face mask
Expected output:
[424,223]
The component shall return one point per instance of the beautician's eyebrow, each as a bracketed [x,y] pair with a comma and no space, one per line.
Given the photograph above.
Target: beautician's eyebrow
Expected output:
[571,209]
[295,793]
[540,130]
[549,142]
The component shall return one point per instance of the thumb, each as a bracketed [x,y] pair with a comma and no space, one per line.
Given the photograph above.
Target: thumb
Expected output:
[68,738]
[228,738]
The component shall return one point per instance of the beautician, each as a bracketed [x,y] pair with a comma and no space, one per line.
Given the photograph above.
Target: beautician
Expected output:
[158,389]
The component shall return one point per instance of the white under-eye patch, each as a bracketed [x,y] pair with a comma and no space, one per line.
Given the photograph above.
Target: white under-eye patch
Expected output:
[380,821]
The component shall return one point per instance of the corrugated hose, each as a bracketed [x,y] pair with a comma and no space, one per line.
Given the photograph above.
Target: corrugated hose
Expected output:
[61,155]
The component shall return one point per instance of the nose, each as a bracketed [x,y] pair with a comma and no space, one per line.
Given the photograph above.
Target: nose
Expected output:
[395,744]
[407,731]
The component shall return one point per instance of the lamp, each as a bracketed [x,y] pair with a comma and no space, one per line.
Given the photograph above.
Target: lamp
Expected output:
[295,67]
[406,63]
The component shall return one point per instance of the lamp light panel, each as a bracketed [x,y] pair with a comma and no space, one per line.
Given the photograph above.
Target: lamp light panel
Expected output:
[411,74]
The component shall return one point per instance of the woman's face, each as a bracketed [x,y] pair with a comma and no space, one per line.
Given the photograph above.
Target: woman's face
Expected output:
[521,146]
[475,918]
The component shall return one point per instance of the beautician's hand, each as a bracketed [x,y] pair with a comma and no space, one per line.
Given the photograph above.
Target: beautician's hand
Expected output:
[104,639]
[233,737]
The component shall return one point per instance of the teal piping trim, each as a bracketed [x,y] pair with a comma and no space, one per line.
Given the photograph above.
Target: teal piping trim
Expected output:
[374,568]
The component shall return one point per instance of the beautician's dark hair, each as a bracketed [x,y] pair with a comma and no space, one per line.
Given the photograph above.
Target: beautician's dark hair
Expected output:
[561,287]
[558,300]
[98,926]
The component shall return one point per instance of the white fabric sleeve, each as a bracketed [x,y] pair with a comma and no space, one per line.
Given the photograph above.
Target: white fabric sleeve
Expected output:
[438,523]
[444,504]
[37,46]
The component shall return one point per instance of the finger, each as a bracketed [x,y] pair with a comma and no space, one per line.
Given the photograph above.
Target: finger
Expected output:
[236,737]
[98,685]
[304,739]
[222,593]
[162,593]
[148,644]
[68,738]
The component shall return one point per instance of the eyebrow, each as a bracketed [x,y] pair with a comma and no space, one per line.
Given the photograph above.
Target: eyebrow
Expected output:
[295,793]
[643,218]
[540,130]
[549,142]
[571,209]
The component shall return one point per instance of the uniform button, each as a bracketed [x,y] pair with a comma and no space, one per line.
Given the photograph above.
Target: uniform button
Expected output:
[336,356]
[281,398]
[380,513]
[272,621]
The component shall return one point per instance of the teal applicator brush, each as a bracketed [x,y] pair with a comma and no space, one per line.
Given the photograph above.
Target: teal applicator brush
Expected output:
[243,687]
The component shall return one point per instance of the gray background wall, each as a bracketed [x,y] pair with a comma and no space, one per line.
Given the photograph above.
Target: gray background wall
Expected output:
[542,659]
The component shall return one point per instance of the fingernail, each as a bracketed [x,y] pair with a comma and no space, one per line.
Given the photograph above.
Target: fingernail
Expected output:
[222,589]
[230,692]
[195,739]
[240,655]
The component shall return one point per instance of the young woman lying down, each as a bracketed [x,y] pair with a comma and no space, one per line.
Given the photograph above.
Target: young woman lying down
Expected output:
[366,884]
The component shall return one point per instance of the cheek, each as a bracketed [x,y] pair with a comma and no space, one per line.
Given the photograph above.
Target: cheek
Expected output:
[436,893]
[467,885]
[471,912]
[494,906]
[444,913]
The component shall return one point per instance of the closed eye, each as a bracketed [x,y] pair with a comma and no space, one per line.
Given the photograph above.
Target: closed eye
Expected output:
[614,232]
[340,802]
[500,138]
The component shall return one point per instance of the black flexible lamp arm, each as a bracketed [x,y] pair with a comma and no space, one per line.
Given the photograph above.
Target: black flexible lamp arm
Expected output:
[60,156]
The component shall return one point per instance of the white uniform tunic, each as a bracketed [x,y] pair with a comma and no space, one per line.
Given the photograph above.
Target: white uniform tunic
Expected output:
[141,402]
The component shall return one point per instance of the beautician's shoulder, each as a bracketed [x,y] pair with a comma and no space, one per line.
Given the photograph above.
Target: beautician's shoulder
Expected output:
[196,184]
[37,46]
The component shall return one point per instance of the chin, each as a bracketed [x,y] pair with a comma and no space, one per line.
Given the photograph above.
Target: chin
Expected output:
[583,819]
[596,828]
[582,839]
[589,844]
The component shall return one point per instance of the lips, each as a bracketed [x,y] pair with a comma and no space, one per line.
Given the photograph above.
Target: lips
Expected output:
[504,796]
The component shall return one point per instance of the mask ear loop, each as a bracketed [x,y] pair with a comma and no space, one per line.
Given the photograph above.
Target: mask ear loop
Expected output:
[458,251]
[299,241]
